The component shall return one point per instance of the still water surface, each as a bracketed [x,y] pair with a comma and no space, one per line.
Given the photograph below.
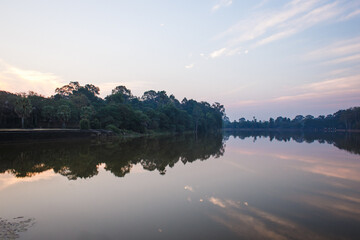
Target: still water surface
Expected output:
[237,186]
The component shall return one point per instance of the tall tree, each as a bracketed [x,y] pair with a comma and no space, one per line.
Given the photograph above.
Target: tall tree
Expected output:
[23,108]
[64,114]
[68,89]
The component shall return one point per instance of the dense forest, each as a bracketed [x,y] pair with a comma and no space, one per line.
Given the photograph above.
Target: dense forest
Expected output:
[76,106]
[343,119]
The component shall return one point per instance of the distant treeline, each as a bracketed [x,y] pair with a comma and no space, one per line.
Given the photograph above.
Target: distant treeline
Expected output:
[343,119]
[76,106]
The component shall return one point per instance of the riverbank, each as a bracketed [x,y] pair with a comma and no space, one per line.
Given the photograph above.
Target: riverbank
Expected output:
[23,135]
[51,134]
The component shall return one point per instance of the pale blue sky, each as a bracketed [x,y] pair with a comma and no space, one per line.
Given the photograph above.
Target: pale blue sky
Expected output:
[258,58]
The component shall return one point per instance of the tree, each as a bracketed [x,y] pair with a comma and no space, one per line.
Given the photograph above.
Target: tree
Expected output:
[149,95]
[197,114]
[68,89]
[64,114]
[123,92]
[48,113]
[92,89]
[23,108]
[87,112]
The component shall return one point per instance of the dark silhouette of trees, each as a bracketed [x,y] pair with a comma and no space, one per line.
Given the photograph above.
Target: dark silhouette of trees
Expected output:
[23,108]
[348,119]
[121,110]
[64,113]
[154,111]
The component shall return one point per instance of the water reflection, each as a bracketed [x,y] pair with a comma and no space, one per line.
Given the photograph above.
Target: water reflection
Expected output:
[81,159]
[300,191]
[265,186]
[342,140]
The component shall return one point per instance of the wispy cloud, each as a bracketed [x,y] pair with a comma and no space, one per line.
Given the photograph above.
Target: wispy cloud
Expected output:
[347,59]
[189,66]
[343,56]
[15,79]
[222,3]
[345,88]
[217,202]
[341,48]
[269,25]
[218,53]
[226,52]
[351,15]
[261,4]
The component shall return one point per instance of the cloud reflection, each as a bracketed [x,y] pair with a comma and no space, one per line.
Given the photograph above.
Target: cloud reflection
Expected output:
[7,179]
[189,188]
[254,223]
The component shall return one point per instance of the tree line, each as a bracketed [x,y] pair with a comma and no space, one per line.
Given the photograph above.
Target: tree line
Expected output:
[343,119]
[77,106]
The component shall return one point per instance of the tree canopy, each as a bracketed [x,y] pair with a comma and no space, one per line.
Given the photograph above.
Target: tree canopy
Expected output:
[72,103]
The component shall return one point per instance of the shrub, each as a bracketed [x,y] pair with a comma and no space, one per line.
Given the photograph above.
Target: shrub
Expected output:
[84,124]
[113,128]
[95,124]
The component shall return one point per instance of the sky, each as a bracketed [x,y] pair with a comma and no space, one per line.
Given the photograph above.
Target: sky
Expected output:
[262,58]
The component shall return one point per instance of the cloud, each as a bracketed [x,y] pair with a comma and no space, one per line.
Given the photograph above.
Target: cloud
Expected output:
[351,15]
[15,79]
[347,59]
[217,202]
[337,49]
[218,53]
[224,52]
[343,55]
[338,88]
[222,3]
[261,4]
[189,66]
[265,26]
[341,89]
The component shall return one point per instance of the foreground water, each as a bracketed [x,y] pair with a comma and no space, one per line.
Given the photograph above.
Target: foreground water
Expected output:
[238,186]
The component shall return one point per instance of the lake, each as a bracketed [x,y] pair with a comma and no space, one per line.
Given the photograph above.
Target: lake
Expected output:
[242,185]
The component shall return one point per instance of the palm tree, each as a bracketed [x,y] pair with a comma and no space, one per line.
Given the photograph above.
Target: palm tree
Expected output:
[64,114]
[23,109]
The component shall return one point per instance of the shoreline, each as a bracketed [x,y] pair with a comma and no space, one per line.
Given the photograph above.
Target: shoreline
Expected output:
[56,134]
[51,135]
[25,135]
[292,130]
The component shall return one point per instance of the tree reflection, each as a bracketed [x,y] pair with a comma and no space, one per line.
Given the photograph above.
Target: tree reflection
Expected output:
[81,159]
[342,140]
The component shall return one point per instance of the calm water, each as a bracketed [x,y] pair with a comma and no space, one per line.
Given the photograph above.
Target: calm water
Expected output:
[242,186]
